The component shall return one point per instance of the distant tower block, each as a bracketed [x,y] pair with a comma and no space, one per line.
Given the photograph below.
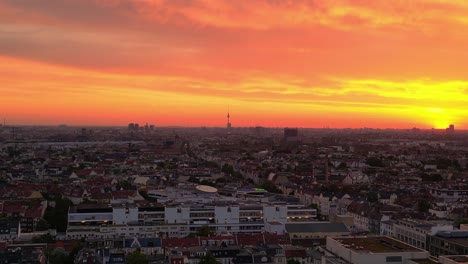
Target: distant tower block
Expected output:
[290,134]
[228,126]
[450,129]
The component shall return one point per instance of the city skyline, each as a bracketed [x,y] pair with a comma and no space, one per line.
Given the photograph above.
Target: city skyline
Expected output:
[347,64]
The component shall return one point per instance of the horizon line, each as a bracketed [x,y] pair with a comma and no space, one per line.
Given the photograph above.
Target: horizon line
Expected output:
[223,127]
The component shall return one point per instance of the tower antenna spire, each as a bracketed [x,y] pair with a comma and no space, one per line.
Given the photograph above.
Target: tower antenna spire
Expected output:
[228,125]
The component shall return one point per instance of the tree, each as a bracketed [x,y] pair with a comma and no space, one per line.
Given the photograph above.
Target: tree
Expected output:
[204,231]
[228,169]
[126,185]
[194,179]
[42,225]
[375,162]
[58,258]
[342,166]
[293,261]
[74,252]
[207,182]
[459,222]
[372,197]
[270,187]
[46,238]
[209,259]
[423,206]
[57,217]
[136,258]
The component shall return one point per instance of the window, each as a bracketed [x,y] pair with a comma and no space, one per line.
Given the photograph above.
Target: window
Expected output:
[394,259]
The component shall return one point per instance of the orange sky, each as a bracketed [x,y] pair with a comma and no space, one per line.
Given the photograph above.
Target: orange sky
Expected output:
[334,63]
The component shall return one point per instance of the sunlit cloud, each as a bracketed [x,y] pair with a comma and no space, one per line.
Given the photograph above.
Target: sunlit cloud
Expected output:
[278,63]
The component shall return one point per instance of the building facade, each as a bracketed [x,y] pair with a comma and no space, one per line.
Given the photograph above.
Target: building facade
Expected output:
[121,220]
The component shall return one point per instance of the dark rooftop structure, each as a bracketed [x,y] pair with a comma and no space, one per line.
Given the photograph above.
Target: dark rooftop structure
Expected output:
[316,227]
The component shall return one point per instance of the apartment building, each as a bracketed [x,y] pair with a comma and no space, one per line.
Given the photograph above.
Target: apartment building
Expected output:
[415,232]
[151,219]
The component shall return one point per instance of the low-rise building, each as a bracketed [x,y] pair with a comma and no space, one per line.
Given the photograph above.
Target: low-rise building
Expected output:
[414,232]
[448,243]
[449,195]
[9,230]
[371,250]
[316,230]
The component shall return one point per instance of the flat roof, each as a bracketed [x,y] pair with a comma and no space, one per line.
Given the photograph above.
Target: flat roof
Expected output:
[275,223]
[457,236]
[380,244]
[458,258]
[425,261]
[316,227]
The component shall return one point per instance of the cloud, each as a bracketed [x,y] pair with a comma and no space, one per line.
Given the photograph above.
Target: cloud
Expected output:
[231,37]
[335,56]
[267,14]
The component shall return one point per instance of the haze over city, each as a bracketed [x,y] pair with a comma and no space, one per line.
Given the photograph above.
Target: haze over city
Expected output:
[233,131]
[381,64]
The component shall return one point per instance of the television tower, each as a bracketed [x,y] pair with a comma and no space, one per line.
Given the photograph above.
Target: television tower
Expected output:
[228,126]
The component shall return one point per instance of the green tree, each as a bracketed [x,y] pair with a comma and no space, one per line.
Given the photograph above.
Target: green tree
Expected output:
[42,225]
[126,185]
[342,166]
[194,179]
[71,257]
[459,222]
[375,162]
[206,182]
[57,217]
[58,258]
[293,261]
[208,259]
[204,231]
[423,206]
[46,238]
[228,169]
[372,197]
[136,258]
[270,187]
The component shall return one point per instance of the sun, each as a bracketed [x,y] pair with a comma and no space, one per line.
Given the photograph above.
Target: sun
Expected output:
[440,124]
[439,118]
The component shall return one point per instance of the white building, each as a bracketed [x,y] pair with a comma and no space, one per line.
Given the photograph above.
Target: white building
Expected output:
[414,232]
[387,228]
[449,195]
[150,220]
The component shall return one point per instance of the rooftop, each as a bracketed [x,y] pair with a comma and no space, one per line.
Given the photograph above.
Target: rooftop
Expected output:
[316,227]
[458,259]
[376,245]
[457,236]
[424,261]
